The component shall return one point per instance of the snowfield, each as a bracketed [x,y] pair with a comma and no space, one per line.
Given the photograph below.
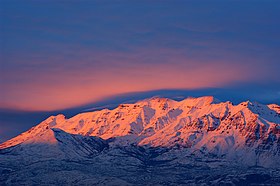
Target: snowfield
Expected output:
[157,141]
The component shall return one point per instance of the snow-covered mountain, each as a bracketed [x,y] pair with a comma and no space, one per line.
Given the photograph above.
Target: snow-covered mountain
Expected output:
[152,134]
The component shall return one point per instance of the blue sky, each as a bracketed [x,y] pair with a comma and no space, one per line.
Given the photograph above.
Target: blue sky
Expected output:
[61,55]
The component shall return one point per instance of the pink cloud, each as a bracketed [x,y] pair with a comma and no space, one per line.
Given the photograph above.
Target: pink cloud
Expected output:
[73,83]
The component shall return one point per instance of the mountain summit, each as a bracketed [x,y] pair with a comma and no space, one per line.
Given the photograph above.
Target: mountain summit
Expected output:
[158,130]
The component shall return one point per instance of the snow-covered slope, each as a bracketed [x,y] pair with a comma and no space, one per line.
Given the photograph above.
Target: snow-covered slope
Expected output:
[156,130]
[275,107]
[55,143]
[199,123]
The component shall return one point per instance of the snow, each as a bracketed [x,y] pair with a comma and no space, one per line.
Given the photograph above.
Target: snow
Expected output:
[154,136]
[274,107]
[165,122]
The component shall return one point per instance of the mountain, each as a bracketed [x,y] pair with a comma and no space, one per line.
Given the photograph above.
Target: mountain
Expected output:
[153,141]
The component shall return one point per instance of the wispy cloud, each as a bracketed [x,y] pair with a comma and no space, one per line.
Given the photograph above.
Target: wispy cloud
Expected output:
[62,55]
[61,85]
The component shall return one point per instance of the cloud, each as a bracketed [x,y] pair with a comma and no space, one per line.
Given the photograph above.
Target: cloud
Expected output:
[65,55]
[71,83]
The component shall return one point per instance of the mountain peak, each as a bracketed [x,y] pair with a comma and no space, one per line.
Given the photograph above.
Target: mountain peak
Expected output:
[42,130]
[199,101]
[274,107]
[195,133]
[156,99]
[158,121]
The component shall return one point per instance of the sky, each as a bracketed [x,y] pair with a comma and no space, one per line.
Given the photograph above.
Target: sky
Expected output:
[69,56]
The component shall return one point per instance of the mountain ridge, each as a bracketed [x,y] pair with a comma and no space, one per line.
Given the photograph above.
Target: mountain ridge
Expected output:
[151,115]
[154,141]
[194,123]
